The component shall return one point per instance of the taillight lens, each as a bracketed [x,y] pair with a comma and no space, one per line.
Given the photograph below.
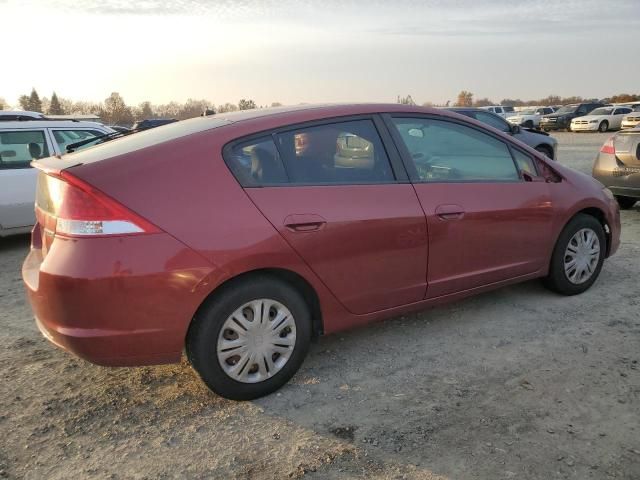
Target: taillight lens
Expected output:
[608,146]
[71,207]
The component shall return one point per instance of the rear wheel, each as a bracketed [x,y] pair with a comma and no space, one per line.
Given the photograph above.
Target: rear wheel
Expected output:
[626,202]
[251,338]
[577,257]
[603,127]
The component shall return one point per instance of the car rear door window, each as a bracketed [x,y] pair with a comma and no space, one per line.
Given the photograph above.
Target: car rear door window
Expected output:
[444,151]
[19,147]
[335,153]
[257,163]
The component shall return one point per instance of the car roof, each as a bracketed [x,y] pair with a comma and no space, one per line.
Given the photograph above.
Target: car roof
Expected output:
[21,124]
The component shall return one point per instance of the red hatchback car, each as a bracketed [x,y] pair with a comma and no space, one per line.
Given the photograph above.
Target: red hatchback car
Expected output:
[240,237]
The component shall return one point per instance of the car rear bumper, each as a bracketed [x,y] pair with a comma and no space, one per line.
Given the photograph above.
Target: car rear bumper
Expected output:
[115,301]
[620,179]
[629,124]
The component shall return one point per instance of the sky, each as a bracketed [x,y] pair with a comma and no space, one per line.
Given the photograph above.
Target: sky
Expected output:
[318,51]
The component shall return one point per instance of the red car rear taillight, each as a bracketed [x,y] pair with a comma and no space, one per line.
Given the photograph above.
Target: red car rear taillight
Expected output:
[608,147]
[71,207]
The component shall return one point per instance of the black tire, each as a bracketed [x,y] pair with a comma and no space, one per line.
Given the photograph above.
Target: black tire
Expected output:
[568,129]
[603,127]
[626,202]
[545,151]
[557,279]
[201,344]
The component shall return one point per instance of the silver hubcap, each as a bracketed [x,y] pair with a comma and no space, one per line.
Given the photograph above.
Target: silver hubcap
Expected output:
[581,256]
[256,341]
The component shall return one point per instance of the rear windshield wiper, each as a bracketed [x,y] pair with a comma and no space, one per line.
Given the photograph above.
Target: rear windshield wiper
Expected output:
[101,138]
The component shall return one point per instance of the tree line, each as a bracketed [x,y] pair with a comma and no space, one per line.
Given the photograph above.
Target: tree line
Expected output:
[465,99]
[114,110]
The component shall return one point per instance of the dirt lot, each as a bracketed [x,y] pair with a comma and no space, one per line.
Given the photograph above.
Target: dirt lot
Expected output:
[518,383]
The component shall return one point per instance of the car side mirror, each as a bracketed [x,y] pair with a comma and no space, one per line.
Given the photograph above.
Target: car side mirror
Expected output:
[515,129]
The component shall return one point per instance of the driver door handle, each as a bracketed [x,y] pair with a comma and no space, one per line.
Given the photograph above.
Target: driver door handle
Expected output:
[306,222]
[450,211]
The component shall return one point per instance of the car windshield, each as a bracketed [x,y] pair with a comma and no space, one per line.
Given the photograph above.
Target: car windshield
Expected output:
[567,109]
[602,111]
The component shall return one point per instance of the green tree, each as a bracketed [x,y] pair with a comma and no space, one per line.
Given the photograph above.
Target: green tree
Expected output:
[3,103]
[35,104]
[246,104]
[24,102]
[465,99]
[54,106]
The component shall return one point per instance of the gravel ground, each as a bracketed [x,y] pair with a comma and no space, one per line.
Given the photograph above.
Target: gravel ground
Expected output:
[517,383]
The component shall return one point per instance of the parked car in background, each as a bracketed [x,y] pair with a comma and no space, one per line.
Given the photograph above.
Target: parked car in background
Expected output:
[503,111]
[323,230]
[600,120]
[21,142]
[561,118]
[631,120]
[530,117]
[152,123]
[617,166]
[542,142]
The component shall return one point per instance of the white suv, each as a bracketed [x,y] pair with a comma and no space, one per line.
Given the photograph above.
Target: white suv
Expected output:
[21,142]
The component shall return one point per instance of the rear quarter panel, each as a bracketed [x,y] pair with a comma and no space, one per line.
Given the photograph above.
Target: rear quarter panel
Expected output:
[184,187]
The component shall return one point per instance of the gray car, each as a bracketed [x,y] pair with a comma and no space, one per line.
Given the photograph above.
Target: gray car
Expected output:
[617,166]
[541,141]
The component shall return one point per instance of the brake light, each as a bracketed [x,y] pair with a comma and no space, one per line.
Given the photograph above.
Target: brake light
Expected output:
[71,207]
[608,146]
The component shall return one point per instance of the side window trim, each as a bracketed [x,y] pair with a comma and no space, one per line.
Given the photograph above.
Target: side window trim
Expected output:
[394,157]
[406,155]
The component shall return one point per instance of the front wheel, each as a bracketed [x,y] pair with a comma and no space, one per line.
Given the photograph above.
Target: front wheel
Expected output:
[577,257]
[250,338]
[626,202]
[603,127]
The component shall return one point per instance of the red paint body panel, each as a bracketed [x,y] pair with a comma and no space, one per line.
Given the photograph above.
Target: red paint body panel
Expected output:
[503,232]
[130,300]
[372,250]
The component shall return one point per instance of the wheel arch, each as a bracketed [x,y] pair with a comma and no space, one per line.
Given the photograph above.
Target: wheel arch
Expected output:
[599,215]
[291,278]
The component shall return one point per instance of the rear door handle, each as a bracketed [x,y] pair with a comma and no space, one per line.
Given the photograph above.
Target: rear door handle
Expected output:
[304,222]
[450,211]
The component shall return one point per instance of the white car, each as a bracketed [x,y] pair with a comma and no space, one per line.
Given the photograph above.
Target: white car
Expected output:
[21,142]
[600,120]
[530,117]
[503,111]
[633,119]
